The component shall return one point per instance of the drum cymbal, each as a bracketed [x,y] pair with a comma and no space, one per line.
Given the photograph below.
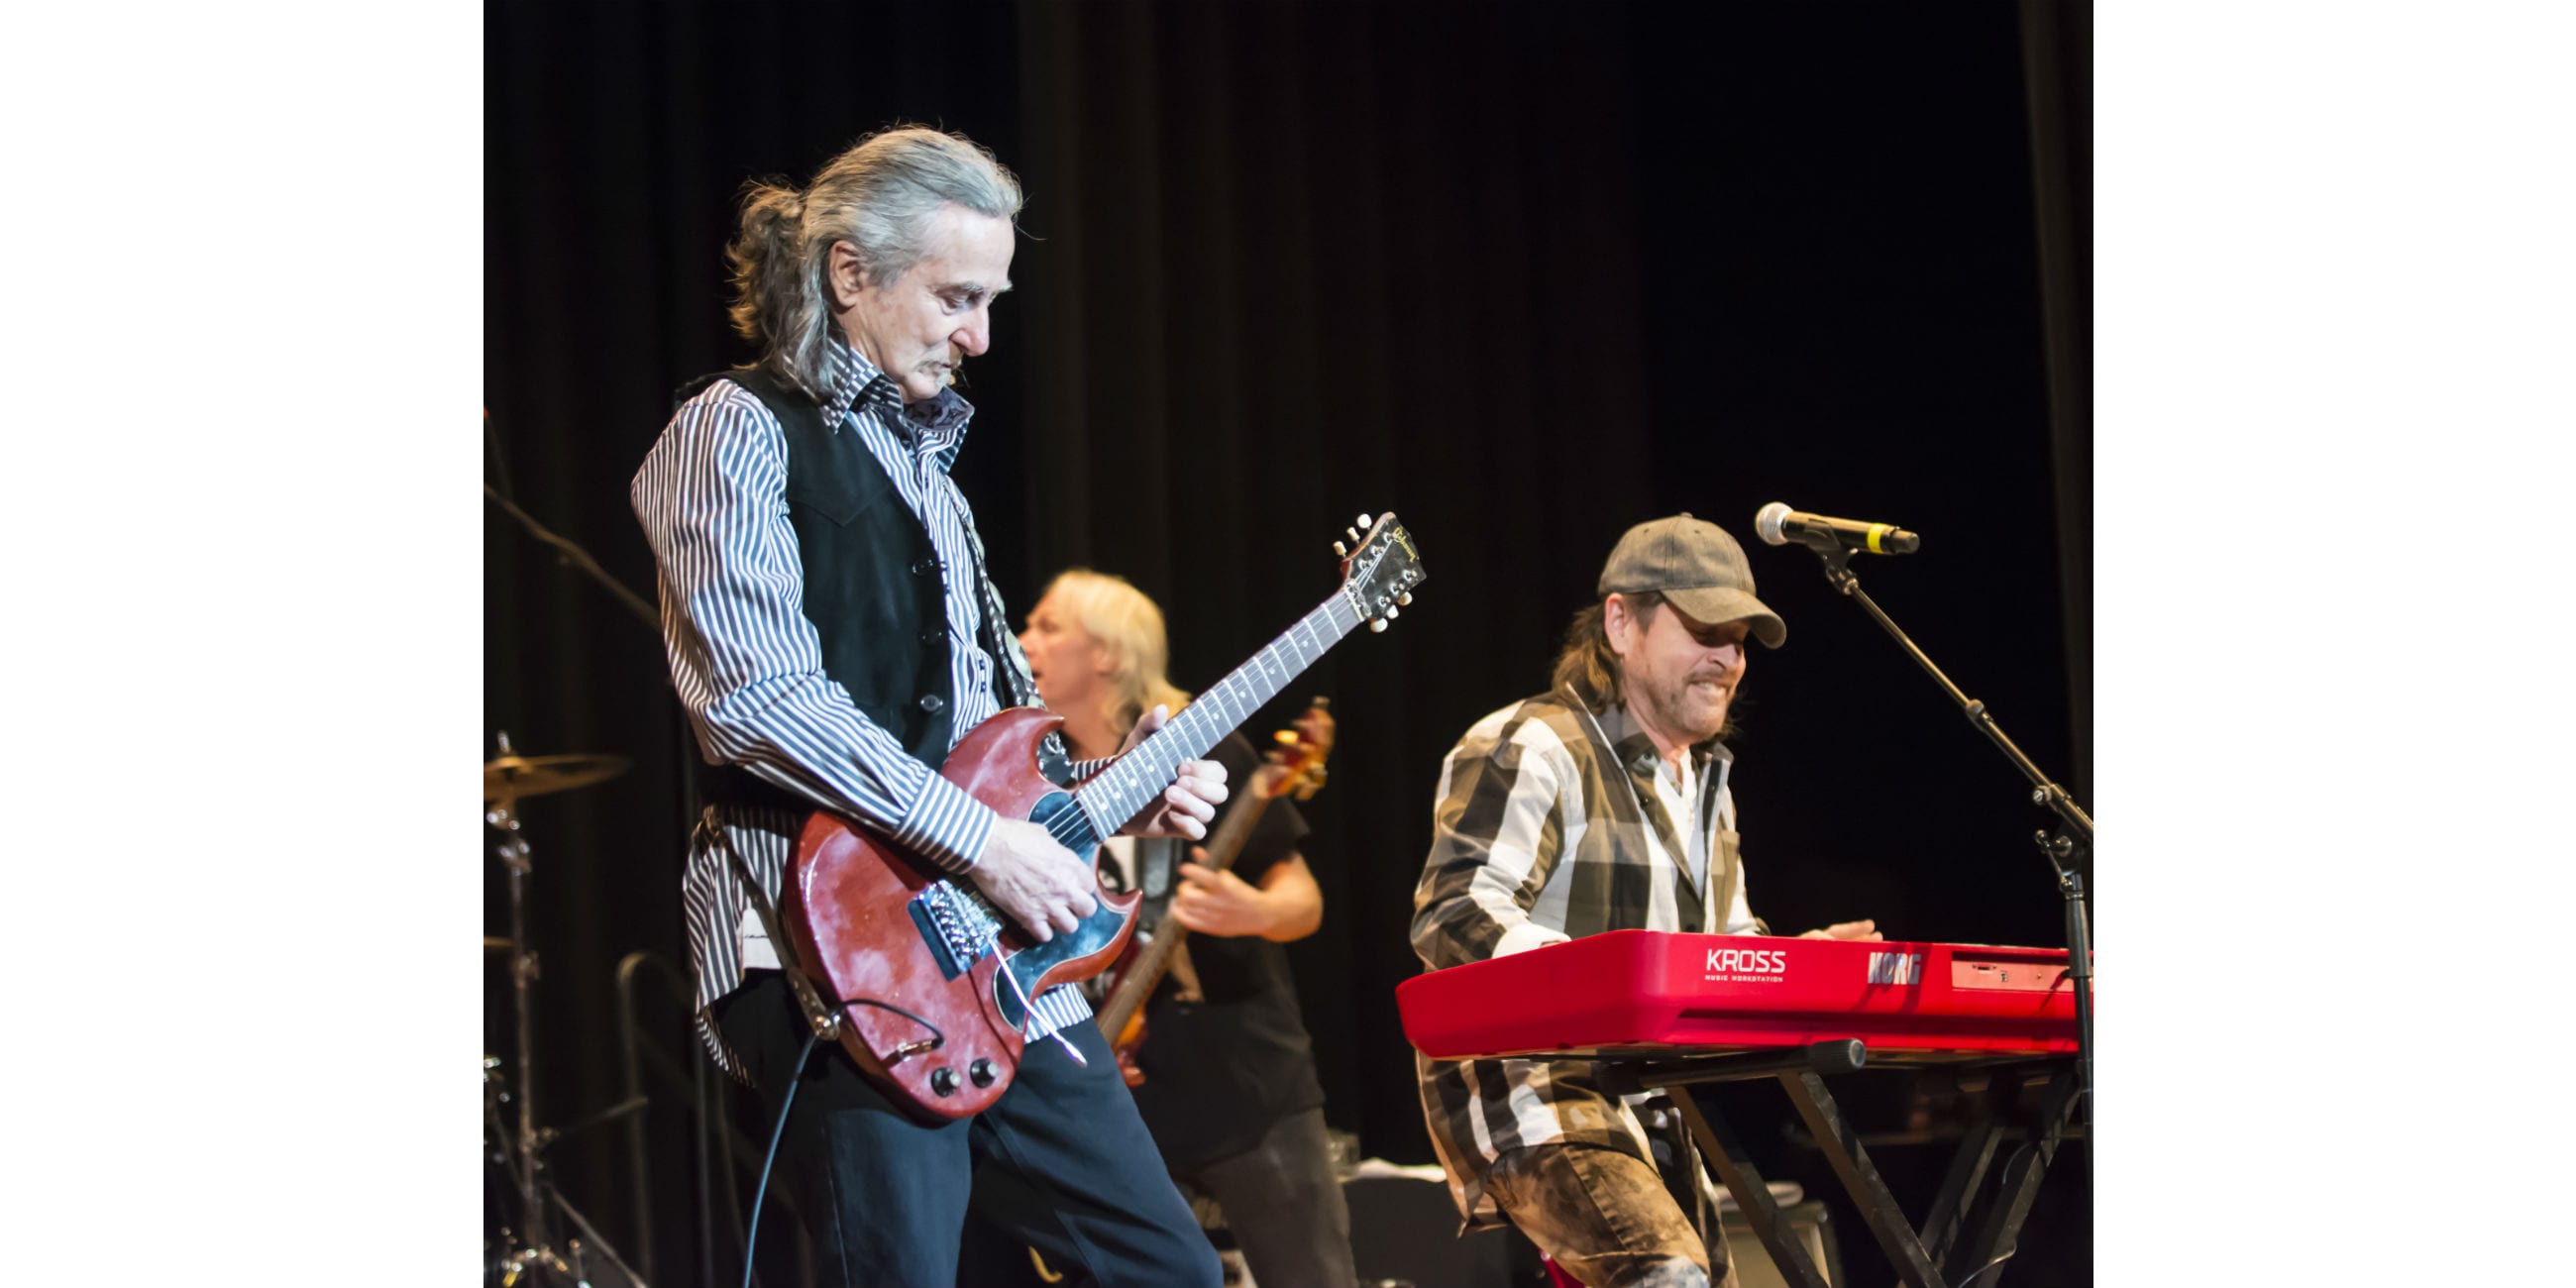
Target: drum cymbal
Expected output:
[514,776]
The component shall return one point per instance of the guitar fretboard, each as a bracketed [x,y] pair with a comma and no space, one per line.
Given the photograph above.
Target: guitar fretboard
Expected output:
[1125,788]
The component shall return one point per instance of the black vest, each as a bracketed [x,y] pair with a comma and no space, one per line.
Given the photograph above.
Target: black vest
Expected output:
[873,585]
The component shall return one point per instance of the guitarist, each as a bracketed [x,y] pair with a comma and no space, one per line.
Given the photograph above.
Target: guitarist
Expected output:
[832,635]
[1227,1079]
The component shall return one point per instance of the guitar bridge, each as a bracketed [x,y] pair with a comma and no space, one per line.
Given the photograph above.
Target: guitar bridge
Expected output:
[953,926]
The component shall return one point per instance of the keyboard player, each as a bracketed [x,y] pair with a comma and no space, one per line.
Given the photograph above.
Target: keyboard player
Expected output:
[1600,805]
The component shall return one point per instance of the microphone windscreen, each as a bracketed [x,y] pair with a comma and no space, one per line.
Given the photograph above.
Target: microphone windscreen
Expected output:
[1766,524]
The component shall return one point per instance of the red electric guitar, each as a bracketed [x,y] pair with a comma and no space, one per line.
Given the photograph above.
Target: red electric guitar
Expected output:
[934,982]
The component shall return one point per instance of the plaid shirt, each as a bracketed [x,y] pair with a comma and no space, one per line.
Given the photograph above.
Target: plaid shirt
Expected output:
[1551,826]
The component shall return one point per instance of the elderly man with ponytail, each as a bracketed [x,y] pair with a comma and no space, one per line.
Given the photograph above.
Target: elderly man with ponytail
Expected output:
[832,634]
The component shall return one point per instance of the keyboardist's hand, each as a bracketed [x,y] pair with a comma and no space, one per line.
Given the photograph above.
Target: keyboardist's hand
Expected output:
[1864,930]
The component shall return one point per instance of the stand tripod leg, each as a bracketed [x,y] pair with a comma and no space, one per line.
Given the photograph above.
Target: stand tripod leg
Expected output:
[1717,1143]
[1943,1225]
[1859,1176]
[598,1243]
[2019,1189]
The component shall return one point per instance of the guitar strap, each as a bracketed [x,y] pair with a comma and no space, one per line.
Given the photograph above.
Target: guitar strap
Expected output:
[825,1020]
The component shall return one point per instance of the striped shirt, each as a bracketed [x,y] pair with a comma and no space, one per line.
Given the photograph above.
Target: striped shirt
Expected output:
[748,665]
[1555,821]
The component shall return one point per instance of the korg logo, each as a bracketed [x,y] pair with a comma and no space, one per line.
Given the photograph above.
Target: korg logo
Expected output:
[1744,961]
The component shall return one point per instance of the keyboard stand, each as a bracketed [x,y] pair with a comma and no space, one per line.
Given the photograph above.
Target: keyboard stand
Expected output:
[1937,1257]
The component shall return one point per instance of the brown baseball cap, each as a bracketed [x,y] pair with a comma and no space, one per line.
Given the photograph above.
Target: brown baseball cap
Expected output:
[1693,563]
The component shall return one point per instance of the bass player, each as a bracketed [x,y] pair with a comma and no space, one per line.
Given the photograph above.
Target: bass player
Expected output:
[1225,1075]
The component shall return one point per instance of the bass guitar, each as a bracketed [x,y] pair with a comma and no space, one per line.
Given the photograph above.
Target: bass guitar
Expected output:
[930,984]
[1296,767]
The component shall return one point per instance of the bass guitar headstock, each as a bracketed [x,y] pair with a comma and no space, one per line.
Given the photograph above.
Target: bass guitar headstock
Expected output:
[1296,765]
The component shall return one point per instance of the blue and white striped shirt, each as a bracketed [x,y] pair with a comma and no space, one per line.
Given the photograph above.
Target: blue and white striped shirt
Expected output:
[748,665]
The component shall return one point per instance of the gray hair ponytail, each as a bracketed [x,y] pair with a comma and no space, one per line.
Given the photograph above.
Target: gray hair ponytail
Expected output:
[880,197]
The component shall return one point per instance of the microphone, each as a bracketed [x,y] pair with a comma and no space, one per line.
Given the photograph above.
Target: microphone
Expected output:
[1778,525]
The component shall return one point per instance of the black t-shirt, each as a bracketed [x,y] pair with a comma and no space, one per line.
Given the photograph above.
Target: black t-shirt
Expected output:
[1219,1072]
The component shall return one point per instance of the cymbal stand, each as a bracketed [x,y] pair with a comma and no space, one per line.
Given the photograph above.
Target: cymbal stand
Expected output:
[528,1247]
[2074,831]
[531,1245]
[503,816]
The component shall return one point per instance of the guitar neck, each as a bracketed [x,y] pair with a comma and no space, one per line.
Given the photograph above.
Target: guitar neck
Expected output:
[1121,791]
[1154,960]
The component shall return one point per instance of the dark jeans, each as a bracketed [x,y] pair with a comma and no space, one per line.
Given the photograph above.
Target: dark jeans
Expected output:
[1065,1164]
[1285,1206]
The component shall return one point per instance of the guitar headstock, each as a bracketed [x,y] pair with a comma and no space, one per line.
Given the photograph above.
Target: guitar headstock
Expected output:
[1379,569]
[1296,765]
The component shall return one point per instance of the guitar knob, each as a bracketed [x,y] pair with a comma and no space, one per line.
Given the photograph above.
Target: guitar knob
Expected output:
[943,1081]
[1377,624]
[980,1073]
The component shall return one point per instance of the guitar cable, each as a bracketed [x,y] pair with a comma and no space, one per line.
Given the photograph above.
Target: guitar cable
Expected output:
[820,1021]
[751,1235]
[813,1038]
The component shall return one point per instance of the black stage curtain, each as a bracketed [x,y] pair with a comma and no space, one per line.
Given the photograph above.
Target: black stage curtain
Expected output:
[1523,274]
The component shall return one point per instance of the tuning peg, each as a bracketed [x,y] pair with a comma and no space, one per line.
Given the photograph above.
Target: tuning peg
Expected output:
[1393,613]
[1353,534]
[1377,625]
[1365,520]
[1341,551]
[1405,598]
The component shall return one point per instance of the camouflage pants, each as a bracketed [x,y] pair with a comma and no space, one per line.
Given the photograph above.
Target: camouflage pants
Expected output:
[1604,1216]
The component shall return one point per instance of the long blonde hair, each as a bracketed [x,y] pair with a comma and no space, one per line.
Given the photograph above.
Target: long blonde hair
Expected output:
[1130,629]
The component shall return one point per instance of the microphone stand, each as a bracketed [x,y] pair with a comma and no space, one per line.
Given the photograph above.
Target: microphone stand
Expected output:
[573,556]
[2060,850]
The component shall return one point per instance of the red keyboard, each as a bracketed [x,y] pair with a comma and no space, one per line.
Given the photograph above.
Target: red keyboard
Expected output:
[1651,991]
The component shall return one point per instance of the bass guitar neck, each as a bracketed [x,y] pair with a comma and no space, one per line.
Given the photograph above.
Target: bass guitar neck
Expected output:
[1153,961]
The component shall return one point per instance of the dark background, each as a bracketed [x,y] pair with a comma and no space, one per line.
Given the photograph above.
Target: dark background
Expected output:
[1524,274]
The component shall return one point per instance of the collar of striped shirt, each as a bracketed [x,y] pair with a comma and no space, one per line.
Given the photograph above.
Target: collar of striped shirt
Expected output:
[852,382]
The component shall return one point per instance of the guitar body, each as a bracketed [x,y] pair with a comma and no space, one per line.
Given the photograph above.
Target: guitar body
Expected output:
[863,914]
